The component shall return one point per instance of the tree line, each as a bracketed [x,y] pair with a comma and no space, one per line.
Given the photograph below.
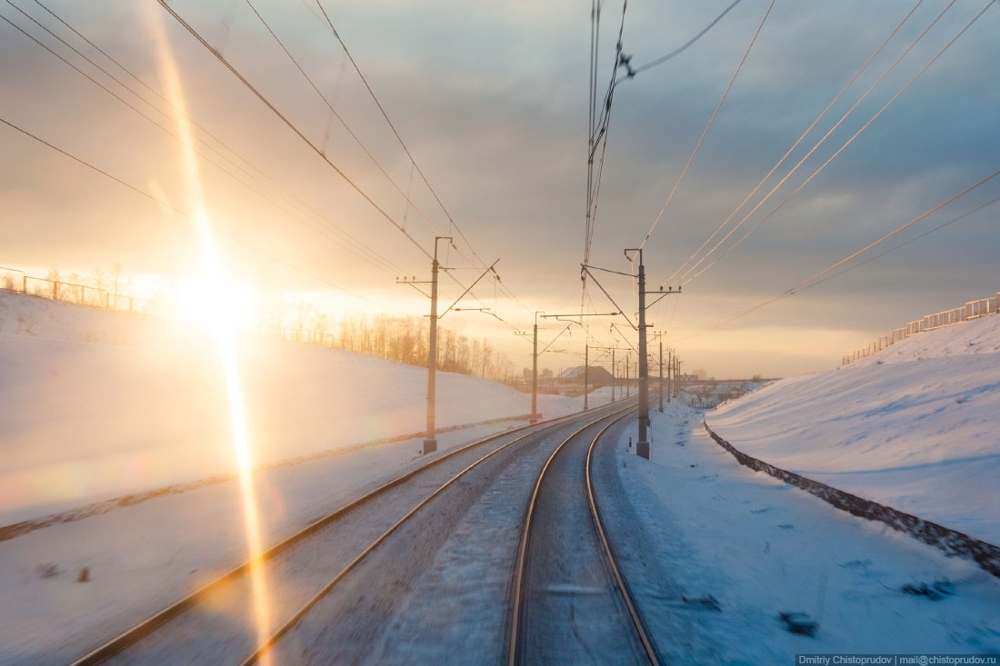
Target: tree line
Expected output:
[393,338]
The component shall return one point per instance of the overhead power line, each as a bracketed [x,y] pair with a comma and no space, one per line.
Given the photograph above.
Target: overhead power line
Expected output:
[683,47]
[340,119]
[166,204]
[597,131]
[848,142]
[903,244]
[325,228]
[789,151]
[399,138]
[451,221]
[711,120]
[406,196]
[813,279]
[221,58]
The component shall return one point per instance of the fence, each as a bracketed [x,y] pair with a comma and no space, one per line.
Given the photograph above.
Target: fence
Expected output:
[304,336]
[971,310]
[12,279]
[18,281]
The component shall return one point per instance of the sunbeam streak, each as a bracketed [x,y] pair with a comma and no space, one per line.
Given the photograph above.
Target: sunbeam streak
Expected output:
[223,327]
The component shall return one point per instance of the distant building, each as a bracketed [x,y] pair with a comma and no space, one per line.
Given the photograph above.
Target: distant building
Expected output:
[597,376]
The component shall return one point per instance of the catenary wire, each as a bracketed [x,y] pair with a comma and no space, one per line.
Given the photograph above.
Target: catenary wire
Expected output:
[345,240]
[194,33]
[795,145]
[385,115]
[683,47]
[454,225]
[711,120]
[848,142]
[166,204]
[801,285]
[340,119]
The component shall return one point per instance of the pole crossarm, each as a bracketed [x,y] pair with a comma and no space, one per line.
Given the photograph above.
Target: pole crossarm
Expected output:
[413,282]
[587,268]
[605,292]
[488,311]
[470,287]
[554,339]
[662,294]
[565,317]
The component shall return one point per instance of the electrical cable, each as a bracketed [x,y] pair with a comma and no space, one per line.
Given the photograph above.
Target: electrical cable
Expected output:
[166,204]
[790,150]
[903,244]
[454,225]
[849,141]
[802,285]
[683,47]
[333,111]
[385,115]
[194,33]
[600,127]
[351,244]
[711,120]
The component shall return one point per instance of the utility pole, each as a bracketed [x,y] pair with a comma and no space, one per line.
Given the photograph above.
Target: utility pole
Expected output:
[534,373]
[614,374]
[670,363]
[642,445]
[661,374]
[586,373]
[430,442]
[628,386]
[534,356]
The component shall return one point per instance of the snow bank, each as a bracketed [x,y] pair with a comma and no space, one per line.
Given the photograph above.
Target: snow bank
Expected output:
[95,404]
[912,427]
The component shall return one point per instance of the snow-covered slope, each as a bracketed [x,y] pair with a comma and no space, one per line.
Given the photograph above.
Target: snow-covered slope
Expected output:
[913,427]
[95,404]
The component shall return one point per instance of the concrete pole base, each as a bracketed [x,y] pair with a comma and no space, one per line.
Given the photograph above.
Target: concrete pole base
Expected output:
[430,446]
[642,449]
[534,418]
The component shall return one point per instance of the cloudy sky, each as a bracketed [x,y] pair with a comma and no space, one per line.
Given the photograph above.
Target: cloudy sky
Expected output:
[491,100]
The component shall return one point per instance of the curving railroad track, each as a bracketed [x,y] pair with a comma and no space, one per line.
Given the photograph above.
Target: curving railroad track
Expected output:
[493,551]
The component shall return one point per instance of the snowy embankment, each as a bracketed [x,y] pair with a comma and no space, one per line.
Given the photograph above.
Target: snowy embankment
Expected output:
[95,405]
[913,427]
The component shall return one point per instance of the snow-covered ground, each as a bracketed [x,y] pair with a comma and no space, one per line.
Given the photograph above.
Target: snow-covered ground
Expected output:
[758,547]
[94,405]
[913,427]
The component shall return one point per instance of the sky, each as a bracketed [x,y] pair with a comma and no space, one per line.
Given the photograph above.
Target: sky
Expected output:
[491,101]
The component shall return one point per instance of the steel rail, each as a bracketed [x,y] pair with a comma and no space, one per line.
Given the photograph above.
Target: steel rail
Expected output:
[623,588]
[517,605]
[294,620]
[136,633]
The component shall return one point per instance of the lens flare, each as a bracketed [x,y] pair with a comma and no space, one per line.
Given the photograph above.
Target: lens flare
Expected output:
[223,327]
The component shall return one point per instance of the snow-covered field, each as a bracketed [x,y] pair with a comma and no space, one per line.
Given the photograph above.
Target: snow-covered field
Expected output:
[913,427]
[758,547]
[94,405]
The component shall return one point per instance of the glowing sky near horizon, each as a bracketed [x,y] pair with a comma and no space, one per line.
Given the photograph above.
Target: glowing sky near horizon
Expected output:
[492,101]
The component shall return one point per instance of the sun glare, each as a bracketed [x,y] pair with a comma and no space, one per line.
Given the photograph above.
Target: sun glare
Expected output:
[213,301]
[209,301]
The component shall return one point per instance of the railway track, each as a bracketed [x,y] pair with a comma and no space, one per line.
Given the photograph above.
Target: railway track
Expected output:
[570,601]
[338,582]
